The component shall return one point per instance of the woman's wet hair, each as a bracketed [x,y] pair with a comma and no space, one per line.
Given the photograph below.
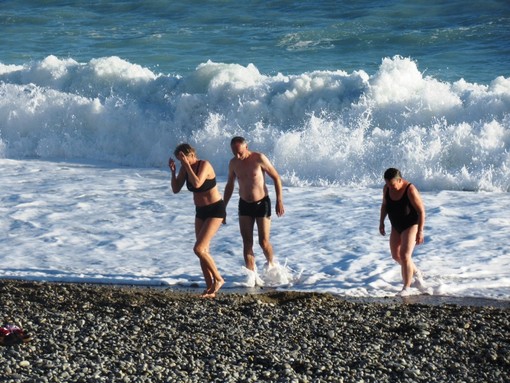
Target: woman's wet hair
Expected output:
[185,148]
[392,173]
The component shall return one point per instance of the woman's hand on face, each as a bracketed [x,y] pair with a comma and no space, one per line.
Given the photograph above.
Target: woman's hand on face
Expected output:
[183,158]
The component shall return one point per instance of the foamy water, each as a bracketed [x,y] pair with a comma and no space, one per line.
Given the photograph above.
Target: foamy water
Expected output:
[108,224]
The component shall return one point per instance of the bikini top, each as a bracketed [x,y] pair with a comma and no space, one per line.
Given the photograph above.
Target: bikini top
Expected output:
[206,186]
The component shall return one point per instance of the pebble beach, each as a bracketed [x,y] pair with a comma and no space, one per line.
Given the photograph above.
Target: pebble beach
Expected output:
[97,333]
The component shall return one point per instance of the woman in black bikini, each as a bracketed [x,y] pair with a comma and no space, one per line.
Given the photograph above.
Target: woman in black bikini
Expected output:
[403,204]
[200,179]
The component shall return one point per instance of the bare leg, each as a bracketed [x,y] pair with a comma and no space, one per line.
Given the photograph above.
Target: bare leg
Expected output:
[203,265]
[246,225]
[264,227]
[395,245]
[207,276]
[402,247]
[205,230]
[408,242]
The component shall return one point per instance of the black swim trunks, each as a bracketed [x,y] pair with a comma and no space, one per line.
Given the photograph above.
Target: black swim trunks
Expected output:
[257,209]
[214,210]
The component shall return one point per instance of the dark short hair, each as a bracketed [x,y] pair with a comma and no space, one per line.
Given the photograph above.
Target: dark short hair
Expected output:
[185,148]
[238,140]
[392,173]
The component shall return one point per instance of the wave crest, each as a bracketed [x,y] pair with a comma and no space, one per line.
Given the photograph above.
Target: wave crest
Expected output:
[319,127]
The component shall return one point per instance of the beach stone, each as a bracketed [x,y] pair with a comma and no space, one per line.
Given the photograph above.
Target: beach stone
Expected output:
[159,335]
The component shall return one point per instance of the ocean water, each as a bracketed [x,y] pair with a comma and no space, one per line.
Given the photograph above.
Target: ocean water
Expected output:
[95,95]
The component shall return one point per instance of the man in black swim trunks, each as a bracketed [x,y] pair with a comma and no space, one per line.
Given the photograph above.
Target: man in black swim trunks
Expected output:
[250,169]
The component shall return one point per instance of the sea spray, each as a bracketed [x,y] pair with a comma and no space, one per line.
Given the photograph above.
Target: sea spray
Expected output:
[278,275]
[274,275]
[319,127]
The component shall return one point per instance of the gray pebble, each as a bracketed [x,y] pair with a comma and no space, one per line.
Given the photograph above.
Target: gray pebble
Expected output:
[103,334]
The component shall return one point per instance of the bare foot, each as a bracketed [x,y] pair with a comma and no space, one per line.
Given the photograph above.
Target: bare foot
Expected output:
[218,283]
[211,291]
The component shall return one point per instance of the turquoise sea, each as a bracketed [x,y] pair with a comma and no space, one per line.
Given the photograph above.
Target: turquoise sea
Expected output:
[449,39]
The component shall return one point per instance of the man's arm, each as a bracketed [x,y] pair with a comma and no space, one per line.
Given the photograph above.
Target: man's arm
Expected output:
[268,168]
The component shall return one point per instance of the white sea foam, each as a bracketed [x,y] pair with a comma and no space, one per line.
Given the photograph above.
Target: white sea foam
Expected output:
[108,224]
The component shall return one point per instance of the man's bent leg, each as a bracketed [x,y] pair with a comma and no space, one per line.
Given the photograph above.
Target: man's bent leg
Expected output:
[264,228]
[246,225]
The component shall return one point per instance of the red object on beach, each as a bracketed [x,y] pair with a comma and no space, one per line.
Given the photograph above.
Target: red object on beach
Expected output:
[11,334]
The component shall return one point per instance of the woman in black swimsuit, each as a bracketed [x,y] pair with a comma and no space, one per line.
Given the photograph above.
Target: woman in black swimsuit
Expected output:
[200,179]
[404,207]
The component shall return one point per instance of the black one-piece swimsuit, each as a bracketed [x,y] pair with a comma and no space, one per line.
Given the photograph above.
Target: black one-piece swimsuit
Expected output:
[402,214]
